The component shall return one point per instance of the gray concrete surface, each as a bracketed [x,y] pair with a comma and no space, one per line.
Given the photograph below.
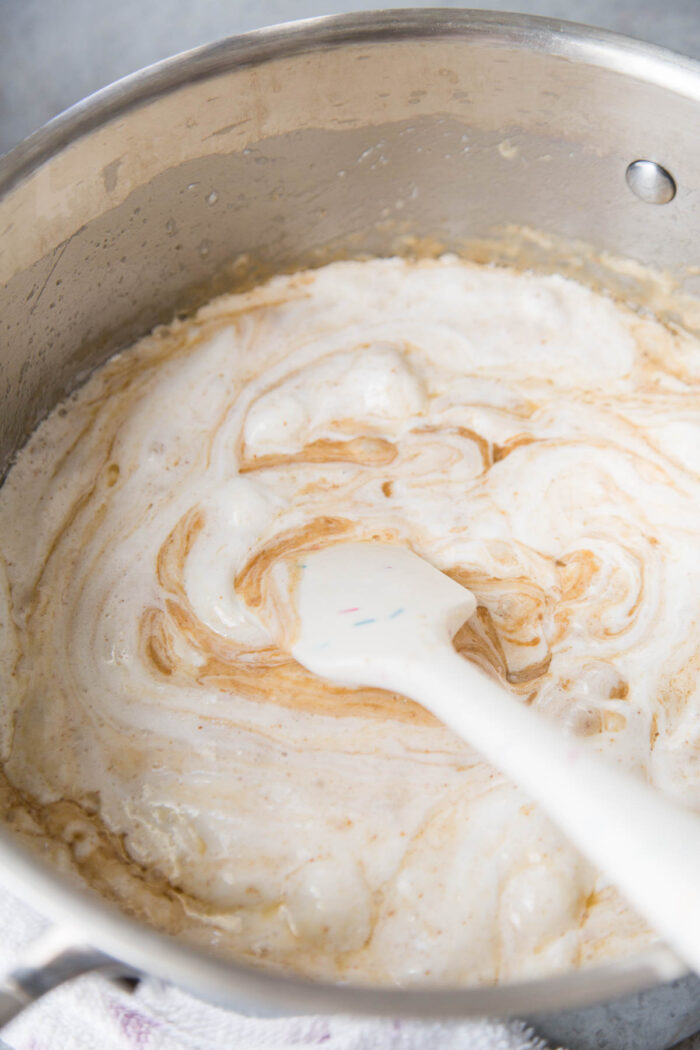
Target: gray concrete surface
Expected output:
[54,52]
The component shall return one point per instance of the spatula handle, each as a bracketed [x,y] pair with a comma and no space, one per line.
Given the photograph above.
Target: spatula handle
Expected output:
[649,846]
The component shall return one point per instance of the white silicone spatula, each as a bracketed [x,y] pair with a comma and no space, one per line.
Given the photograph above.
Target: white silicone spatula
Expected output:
[378,615]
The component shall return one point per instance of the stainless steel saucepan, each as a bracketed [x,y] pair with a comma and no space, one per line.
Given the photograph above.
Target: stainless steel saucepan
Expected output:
[497,134]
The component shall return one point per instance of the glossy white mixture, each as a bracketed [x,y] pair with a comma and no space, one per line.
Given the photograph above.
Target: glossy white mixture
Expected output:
[538,441]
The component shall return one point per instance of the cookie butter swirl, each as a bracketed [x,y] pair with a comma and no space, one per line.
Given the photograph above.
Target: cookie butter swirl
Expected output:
[536,441]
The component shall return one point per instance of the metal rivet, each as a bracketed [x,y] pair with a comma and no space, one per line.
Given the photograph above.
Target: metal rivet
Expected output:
[650,182]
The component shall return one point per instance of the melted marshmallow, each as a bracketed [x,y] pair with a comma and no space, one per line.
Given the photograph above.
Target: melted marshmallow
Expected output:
[537,441]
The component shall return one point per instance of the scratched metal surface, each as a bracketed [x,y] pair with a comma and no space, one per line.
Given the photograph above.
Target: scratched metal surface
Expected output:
[53,54]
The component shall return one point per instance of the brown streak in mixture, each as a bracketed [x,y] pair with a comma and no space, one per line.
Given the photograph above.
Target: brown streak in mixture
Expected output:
[313,536]
[518,441]
[236,312]
[204,640]
[175,550]
[478,639]
[365,451]
[291,686]
[620,691]
[576,572]
[157,640]
[636,604]
[510,611]
[77,506]
[481,443]
[527,674]
[85,429]
[80,504]
[465,432]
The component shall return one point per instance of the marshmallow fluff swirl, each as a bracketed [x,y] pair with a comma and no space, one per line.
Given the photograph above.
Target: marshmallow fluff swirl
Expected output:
[535,440]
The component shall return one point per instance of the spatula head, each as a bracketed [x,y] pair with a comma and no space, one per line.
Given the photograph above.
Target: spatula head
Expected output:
[362,607]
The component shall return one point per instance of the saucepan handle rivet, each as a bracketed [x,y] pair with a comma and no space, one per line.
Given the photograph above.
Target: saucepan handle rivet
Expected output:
[650,182]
